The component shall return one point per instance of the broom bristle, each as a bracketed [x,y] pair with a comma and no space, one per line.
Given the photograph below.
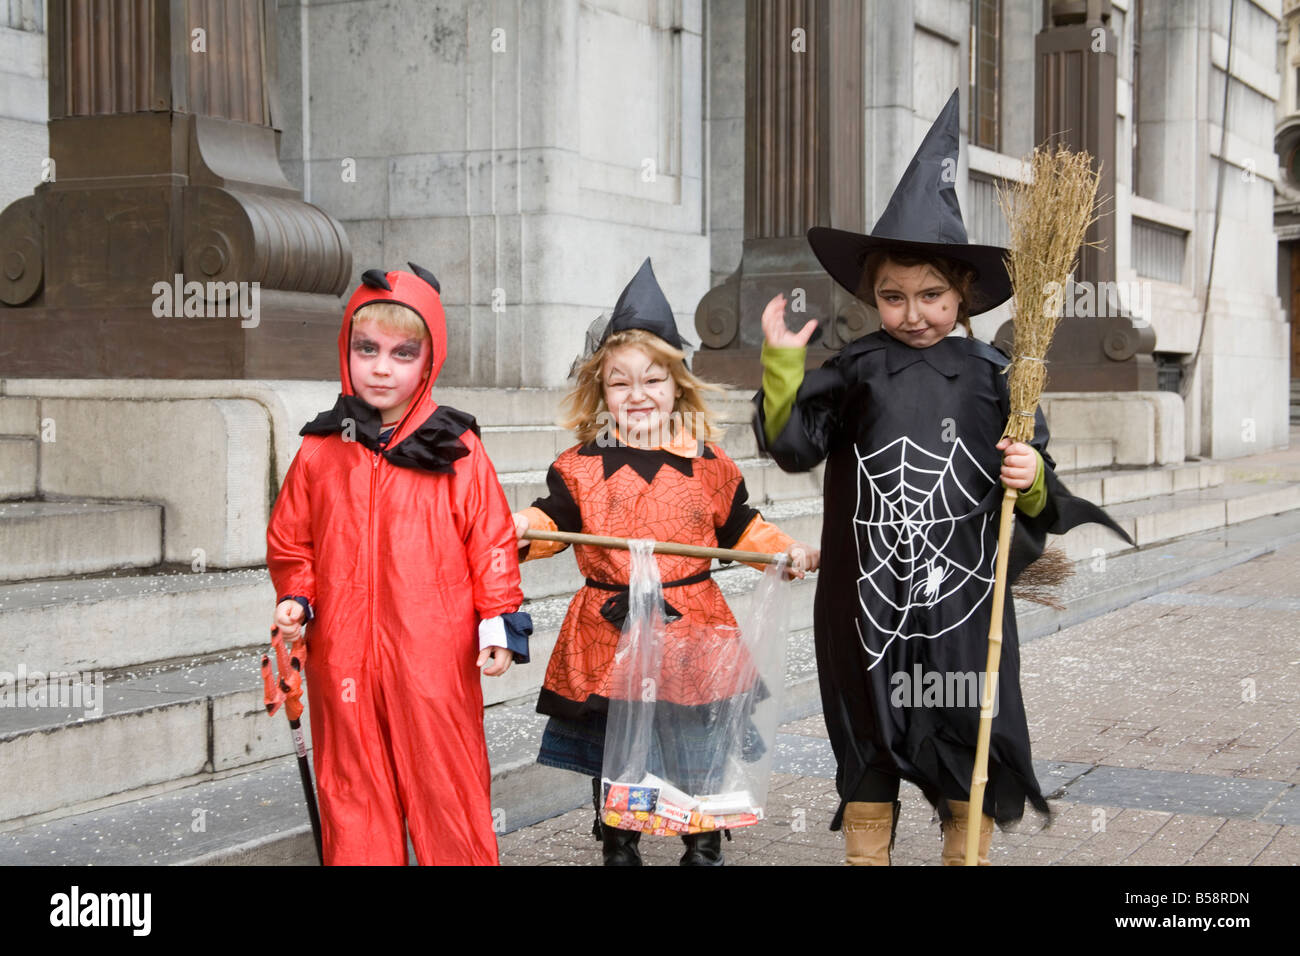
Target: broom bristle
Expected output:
[1048,218]
[1041,581]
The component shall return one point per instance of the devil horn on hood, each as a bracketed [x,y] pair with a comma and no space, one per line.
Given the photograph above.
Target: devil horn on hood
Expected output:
[376,279]
[427,276]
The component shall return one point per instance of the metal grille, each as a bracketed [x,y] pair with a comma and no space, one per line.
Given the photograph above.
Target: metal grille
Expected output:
[1169,371]
[985,223]
[1158,251]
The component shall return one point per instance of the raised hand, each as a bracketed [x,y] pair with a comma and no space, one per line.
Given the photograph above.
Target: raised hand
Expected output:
[775,332]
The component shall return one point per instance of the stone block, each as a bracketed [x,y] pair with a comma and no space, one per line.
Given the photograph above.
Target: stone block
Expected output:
[213,491]
[353,187]
[111,623]
[90,760]
[1251,501]
[1133,485]
[1186,518]
[18,417]
[17,467]
[40,539]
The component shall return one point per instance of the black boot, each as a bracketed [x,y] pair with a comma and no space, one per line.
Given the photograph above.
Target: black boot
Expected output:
[621,847]
[702,849]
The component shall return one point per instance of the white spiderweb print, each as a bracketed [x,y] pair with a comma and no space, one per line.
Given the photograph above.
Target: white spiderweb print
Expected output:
[911,503]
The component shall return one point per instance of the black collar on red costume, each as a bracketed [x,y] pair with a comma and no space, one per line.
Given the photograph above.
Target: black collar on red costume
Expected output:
[645,462]
[434,446]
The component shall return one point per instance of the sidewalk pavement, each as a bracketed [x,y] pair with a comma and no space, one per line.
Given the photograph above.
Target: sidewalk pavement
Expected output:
[1164,733]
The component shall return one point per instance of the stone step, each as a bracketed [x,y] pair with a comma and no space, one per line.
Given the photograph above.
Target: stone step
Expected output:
[40,539]
[130,619]
[1117,485]
[17,467]
[763,479]
[1081,454]
[168,727]
[98,736]
[19,416]
[1163,518]
[1105,584]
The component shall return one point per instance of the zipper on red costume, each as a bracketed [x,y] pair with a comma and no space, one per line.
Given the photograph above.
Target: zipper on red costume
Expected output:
[370,556]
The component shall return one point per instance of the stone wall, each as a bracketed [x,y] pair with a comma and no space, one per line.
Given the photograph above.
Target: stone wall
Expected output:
[529,154]
[24,103]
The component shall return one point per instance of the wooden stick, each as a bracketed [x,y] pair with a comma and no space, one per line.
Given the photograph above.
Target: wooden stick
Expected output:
[661,547]
[991,670]
[1048,219]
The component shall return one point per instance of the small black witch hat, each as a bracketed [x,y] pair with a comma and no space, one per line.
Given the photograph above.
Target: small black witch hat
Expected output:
[643,305]
[922,218]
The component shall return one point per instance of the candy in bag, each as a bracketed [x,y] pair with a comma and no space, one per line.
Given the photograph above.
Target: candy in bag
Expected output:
[693,709]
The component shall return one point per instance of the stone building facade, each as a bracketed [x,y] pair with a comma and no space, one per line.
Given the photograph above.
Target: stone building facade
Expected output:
[532,153]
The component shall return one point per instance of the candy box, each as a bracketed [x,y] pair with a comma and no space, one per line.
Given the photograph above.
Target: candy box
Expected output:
[623,796]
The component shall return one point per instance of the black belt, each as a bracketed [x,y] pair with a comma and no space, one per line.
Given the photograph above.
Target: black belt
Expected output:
[615,610]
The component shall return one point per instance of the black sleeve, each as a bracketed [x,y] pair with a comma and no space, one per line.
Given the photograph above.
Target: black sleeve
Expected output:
[738,518]
[559,504]
[814,421]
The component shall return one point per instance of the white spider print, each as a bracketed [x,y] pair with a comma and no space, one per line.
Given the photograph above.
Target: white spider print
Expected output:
[935,574]
[911,503]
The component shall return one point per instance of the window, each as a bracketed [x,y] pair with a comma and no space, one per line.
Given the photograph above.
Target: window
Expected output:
[986,22]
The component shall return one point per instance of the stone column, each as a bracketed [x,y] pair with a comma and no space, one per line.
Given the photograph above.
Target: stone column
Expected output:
[165,241]
[803,167]
[1074,105]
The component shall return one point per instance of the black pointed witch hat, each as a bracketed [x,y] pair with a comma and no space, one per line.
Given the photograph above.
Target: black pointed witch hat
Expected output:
[922,218]
[643,305]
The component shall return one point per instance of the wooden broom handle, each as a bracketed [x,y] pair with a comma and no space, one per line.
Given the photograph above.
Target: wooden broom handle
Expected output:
[661,547]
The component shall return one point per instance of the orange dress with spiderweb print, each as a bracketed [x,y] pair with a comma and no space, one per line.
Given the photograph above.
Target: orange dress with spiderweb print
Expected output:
[630,493]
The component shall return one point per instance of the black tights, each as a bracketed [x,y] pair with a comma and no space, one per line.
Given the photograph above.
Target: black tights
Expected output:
[876,786]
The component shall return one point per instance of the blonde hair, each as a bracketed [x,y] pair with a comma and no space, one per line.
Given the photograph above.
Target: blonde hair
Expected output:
[393,318]
[584,407]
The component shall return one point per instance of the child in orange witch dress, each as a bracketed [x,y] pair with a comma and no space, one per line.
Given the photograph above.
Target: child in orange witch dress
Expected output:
[645,468]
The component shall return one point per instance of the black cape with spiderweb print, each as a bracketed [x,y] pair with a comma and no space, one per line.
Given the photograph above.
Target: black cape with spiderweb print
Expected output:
[909,543]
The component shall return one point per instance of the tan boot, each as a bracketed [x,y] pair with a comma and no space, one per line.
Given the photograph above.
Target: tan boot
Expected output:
[869,832]
[954,835]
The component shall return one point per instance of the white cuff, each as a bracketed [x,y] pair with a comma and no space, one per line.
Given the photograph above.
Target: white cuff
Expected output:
[492,633]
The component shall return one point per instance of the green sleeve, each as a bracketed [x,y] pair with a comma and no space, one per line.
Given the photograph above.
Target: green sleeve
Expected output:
[782,374]
[1033,499]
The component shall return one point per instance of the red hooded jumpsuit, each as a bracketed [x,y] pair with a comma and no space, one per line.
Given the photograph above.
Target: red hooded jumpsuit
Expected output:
[399,564]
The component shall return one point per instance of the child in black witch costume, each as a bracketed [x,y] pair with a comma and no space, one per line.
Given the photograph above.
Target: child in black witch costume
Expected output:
[908,420]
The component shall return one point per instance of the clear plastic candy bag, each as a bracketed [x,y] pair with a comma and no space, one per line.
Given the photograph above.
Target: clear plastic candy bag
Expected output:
[693,711]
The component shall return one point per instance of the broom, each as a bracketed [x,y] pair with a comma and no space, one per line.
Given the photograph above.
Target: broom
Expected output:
[1048,218]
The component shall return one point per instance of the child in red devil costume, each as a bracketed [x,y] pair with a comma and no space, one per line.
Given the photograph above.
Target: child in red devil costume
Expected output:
[392,540]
